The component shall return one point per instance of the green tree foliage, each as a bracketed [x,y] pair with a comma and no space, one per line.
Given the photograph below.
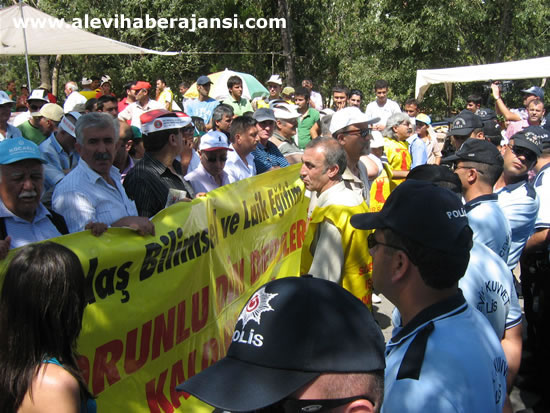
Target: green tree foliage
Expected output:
[353,42]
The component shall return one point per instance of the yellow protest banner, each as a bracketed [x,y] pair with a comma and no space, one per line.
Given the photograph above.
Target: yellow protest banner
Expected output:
[162,308]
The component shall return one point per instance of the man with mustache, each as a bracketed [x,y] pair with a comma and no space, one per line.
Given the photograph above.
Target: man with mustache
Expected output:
[92,190]
[23,219]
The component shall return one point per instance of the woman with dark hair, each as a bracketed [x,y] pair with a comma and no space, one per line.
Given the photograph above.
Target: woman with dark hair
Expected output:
[41,308]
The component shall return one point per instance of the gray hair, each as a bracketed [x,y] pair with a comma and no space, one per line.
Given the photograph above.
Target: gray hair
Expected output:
[394,120]
[71,85]
[99,120]
[220,111]
[333,151]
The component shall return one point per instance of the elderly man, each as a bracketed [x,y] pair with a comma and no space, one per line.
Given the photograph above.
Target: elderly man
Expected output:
[143,103]
[285,130]
[59,151]
[73,97]
[23,219]
[445,347]
[398,129]
[6,130]
[244,138]
[332,249]
[92,190]
[158,176]
[293,362]
[213,153]
[266,155]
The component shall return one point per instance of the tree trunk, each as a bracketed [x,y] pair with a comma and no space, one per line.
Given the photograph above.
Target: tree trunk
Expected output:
[55,74]
[44,66]
[287,39]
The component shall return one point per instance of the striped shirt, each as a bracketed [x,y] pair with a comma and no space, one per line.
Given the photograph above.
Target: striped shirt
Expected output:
[268,156]
[150,181]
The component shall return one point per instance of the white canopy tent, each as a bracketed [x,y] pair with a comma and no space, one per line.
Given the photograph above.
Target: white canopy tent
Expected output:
[520,69]
[25,30]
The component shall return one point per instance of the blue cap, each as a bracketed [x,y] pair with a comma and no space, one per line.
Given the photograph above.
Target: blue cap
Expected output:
[203,80]
[535,90]
[18,149]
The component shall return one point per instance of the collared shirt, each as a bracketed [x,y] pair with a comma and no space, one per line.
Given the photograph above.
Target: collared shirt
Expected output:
[305,123]
[201,180]
[358,184]
[57,161]
[204,110]
[240,107]
[285,146]
[23,232]
[317,99]
[125,171]
[439,356]
[11,132]
[149,183]
[542,186]
[268,156]
[489,224]
[236,168]
[72,100]
[488,286]
[417,149]
[134,110]
[520,205]
[84,196]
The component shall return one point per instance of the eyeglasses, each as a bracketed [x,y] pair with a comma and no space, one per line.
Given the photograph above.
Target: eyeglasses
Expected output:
[214,158]
[297,406]
[373,242]
[363,132]
[35,107]
[529,155]
[467,167]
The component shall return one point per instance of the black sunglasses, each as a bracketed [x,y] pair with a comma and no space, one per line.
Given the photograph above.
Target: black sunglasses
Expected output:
[363,132]
[297,406]
[529,155]
[214,158]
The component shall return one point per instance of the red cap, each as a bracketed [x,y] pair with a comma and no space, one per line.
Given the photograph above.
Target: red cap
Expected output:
[141,85]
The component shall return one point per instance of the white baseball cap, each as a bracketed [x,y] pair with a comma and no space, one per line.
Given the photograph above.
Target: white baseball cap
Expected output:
[275,79]
[349,116]
[377,140]
[4,98]
[214,140]
[285,111]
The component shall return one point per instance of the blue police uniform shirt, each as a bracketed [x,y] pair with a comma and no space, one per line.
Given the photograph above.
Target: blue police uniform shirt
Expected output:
[489,224]
[520,205]
[446,359]
[488,286]
[542,187]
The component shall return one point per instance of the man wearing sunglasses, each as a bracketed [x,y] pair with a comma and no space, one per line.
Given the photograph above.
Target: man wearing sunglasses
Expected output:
[150,182]
[29,122]
[446,357]
[351,128]
[300,344]
[516,197]
[210,175]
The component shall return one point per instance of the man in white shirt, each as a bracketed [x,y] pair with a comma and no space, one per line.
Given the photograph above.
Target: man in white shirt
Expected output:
[210,174]
[73,97]
[244,138]
[382,107]
[143,103]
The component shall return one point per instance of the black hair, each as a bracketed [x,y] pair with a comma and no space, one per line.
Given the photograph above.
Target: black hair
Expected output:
[185,83]
[440,175]
[234,80]
[380,84]
[356,92]
[412,101]
[340,89]
[155,141]
[89,106]
[41,307]
[476,99]
[302,91]
[240,125]
[104,99]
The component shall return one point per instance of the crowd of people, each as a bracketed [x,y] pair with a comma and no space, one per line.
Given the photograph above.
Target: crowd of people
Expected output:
[435,221]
